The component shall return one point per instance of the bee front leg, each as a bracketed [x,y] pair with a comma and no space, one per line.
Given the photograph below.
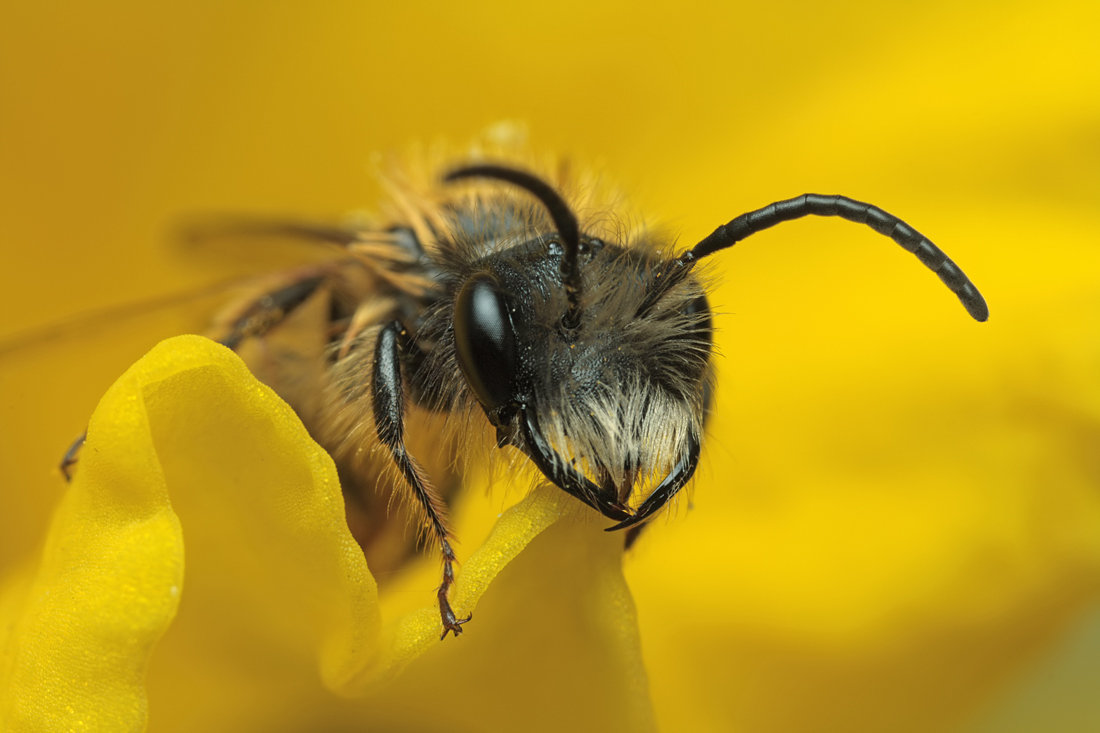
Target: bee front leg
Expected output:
[389,419]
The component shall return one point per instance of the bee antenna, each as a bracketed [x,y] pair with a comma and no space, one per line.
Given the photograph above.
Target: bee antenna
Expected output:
[909,238]
[565,222]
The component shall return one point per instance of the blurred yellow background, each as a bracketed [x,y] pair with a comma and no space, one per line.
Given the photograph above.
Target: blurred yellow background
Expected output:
[897,524]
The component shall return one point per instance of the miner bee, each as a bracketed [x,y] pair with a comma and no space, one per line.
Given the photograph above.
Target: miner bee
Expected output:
[484,300]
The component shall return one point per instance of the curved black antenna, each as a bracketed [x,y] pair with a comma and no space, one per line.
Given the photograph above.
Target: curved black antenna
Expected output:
[565,221]
[811,203]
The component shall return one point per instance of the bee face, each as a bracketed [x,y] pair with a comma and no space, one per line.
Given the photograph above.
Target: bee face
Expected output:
[601,403]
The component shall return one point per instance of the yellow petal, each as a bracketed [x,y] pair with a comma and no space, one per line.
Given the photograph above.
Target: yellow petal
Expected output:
[278,597]
[78,632]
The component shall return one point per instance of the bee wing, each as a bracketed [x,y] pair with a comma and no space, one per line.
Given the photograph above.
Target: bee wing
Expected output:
[393,253]
[247,245]
[257,243]
[196,230]
[91,320]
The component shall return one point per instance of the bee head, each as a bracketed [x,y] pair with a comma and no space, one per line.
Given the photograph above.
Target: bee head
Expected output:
[590,357]
[600,353]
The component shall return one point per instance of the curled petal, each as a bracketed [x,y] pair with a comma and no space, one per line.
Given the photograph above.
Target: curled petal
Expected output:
[188,448]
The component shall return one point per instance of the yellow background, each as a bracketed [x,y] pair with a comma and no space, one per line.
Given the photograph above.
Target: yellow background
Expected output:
[898,521]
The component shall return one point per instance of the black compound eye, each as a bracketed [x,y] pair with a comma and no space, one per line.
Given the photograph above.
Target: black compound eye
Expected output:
[485,341]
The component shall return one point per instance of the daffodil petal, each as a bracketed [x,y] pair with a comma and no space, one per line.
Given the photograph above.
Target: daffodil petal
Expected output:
[81,631]
[278,596]
[269,554]
[267,543]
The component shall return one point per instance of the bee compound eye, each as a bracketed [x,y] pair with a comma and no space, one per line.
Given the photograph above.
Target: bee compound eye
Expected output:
[485,341]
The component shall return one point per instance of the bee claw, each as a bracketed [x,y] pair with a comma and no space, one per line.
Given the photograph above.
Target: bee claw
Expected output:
[451,623]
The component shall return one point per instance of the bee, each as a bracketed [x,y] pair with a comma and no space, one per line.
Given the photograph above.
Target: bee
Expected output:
[484,301]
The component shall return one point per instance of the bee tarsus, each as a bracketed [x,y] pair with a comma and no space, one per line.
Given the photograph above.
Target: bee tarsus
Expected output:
[72,457]
[451,622]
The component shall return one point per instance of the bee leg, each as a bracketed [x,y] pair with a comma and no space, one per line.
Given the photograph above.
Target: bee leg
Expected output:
[259,318]
[389,420]
[72,456]
[270,310]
